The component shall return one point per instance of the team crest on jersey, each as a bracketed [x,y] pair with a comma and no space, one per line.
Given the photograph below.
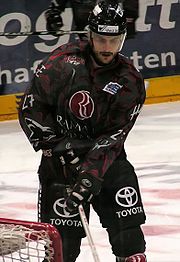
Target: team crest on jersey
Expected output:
[112,88]
[74,60]
[81,104]
[38,132]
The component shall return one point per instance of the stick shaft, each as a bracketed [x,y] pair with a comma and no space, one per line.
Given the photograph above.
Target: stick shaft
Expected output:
[57,33]
[88,233]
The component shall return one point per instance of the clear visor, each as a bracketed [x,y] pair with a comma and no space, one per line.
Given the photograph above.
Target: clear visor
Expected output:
[122,39]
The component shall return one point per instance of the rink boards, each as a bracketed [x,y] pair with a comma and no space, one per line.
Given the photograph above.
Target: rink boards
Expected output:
[154,50]
[162,89]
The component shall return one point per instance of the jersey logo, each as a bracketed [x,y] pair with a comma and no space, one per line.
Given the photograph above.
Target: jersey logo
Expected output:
[81,105]
[112,88]
[39,70]
[38,132]
[28,101]
[136,111]
[74,60]
[60,209]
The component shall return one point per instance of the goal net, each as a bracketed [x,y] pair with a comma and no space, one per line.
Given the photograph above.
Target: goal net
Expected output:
[29,242]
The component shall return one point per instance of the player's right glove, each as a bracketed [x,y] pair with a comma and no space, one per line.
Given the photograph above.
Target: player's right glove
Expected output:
[53,17]
[84,189]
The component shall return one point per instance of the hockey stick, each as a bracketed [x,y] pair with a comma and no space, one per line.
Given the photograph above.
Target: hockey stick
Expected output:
[82,215]
[88,233]
[57,33]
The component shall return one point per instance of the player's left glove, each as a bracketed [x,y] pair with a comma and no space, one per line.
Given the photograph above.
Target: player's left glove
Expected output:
[67,155]
[85,188]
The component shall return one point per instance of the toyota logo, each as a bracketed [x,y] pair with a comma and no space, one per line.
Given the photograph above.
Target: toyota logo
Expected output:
[126,197]
[59,208]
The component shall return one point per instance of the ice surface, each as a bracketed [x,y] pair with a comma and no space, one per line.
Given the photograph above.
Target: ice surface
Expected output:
[153,147]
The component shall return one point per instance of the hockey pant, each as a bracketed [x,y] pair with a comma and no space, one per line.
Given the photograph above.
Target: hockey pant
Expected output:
[118,206]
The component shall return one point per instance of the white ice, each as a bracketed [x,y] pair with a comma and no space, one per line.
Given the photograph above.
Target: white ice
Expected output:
[153,147]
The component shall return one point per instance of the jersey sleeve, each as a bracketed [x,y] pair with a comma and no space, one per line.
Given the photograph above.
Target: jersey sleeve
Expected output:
[36,110]
[107,147]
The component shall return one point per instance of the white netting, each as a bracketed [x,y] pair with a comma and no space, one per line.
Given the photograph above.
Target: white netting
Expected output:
[19,243]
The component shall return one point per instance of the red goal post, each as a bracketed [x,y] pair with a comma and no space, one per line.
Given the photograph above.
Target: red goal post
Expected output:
[29,241]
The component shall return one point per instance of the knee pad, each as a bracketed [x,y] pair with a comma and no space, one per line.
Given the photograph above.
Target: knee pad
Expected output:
[127,242]
[71,249]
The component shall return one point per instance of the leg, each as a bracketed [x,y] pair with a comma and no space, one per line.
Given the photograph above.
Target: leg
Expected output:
[81,11]
[52,210]
[135,258]
[71,248]
[126,242]
[69,225]
[121,212]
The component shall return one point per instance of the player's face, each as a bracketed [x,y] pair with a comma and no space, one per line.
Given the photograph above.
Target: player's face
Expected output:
[106,47]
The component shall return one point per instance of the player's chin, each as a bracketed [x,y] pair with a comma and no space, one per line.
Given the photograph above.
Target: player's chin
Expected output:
[106,59]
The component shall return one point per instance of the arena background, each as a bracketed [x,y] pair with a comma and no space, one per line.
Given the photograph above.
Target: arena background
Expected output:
[154,51]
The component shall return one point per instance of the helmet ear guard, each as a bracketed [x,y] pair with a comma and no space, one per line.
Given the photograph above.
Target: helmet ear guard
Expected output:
[107,18]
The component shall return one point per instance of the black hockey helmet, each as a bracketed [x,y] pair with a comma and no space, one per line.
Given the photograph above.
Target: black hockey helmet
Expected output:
[107,18]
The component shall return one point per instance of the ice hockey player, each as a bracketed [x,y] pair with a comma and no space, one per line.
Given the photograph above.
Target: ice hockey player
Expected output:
[83,101]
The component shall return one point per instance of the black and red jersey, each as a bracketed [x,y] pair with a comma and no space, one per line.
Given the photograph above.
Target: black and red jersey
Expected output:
[69,97]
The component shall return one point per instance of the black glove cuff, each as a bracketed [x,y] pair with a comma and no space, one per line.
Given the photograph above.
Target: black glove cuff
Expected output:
[92,183]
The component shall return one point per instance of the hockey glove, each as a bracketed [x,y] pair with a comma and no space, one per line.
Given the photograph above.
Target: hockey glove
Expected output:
[53,17]
[67,156]
[85,188]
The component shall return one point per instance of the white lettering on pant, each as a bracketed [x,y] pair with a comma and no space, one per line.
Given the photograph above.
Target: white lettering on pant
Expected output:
[65,222]
[129,212]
